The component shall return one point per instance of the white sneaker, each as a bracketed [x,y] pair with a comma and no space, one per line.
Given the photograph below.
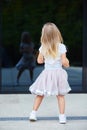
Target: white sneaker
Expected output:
[32,116]
[62,119]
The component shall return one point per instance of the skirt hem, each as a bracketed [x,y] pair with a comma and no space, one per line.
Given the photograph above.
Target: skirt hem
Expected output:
[37,92]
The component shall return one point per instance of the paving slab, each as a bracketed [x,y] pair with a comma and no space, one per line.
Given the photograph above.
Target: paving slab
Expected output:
[15,109]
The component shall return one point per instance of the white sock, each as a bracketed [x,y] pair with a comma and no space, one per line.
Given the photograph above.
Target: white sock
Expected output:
[34,112]
[62,114]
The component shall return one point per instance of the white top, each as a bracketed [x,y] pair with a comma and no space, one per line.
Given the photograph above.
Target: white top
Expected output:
[51,63]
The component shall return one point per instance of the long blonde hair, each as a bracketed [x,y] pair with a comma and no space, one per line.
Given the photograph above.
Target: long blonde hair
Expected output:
[50,39]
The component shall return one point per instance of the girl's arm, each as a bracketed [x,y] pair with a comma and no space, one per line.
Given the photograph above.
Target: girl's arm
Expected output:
[40,58]
[65,61]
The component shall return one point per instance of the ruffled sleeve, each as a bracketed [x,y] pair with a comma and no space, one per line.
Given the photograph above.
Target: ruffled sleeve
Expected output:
[62,49]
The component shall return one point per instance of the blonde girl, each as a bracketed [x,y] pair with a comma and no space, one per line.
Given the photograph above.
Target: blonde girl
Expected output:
[53,79]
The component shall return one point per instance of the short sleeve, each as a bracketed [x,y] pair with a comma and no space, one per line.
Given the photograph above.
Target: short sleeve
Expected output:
[62,49]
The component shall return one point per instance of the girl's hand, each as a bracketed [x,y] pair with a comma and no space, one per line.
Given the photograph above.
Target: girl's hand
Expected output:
[66,63]
[64,60]
[40,59]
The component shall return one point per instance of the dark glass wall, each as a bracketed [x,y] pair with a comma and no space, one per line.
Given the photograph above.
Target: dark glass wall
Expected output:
[18,16]
[0,41]
[84,45]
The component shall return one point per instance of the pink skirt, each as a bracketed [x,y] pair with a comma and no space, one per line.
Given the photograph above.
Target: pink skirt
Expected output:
[51,82]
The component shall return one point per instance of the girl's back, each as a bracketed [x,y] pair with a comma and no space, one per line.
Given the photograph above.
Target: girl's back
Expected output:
[51,63]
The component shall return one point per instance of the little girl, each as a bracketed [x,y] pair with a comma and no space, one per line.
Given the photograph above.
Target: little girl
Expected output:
[53,79]
[27,60]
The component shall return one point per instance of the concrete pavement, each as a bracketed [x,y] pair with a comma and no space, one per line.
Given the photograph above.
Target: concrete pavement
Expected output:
[15,109]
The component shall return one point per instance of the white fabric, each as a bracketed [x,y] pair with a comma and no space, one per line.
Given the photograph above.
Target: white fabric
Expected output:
[51,63]
[53,80]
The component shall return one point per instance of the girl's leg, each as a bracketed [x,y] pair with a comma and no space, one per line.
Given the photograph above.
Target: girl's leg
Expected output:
[37,102]
[19,74]
[61,103]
